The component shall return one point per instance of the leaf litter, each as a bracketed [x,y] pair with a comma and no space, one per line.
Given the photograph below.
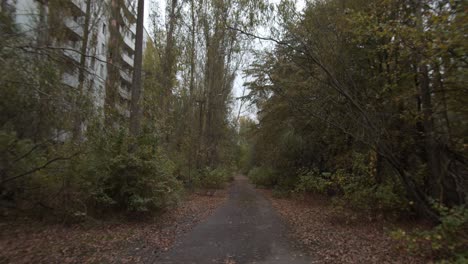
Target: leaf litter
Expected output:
[26,241]
[330,237]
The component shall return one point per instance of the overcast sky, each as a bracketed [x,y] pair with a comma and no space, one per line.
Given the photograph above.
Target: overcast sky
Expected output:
[238,88]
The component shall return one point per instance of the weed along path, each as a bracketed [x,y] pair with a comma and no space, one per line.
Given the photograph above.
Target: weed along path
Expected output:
[246,229]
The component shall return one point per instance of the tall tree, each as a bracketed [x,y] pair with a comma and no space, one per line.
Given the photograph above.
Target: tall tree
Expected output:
[320,71]
[135,110]
[77,131]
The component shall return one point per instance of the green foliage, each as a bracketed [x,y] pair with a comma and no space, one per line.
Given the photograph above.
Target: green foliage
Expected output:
[19,155]
[41,179]
[356,188]
[140,181]
[212,178]
[46,170]
[281,193]
[447,242]
[263,176]
[313,182]
[362,195]
[245,158]
[140,184]
[362,191]
[357,76]
[246,144]
[101,176]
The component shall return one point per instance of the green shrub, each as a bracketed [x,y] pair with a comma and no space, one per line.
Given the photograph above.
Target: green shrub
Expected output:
[281,193]
[139,184]
[447,242]
[140,181]
[313,182]
[262,176]
[212,178]
[363,194]
[34,177]
[361,191]
[245,161]
[19,156]
[287,182]
[357,190]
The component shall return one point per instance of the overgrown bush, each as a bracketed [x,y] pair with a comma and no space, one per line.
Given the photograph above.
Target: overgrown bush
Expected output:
[139,184]
[279,192]
[212,178]
[65,181]
[263,176]
[245,161]
[447,242]
[313,182]
[361,192]
[356,188]
[34,176]
[19,156]
[139,181]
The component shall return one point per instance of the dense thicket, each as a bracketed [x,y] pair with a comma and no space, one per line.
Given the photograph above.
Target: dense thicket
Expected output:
[62,156]
[366,101]
[361,100]
[50,166]
[192,68]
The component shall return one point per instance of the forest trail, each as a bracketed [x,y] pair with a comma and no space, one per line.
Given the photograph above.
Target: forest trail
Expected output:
[246,229]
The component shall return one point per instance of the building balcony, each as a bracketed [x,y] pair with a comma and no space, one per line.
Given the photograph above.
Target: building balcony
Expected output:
[127,59]
[70,79]
[79,6]
[128,20]
[125,93]
[72,53]
[133,28]
[126,76]
[73,26]
[130,5]
[129,42]
[122,110]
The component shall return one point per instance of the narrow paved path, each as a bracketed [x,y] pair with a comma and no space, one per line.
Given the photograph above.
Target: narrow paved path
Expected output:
[246,229]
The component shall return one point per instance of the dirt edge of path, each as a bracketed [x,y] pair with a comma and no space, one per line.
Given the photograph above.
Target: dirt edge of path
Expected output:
[321,232]
[26,241]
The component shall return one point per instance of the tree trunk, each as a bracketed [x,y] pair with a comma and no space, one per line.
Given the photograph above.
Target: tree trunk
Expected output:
[135,110]
[430,144]
[169,55]
[77,132]
[191,95]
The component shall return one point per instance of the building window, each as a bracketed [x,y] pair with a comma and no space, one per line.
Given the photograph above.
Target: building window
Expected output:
[102,70]
[103,48]
[104,29]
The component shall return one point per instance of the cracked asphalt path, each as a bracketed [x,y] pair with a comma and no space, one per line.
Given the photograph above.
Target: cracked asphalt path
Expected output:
[246,229]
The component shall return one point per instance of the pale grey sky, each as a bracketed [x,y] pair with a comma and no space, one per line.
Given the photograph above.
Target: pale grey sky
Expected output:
[238,88]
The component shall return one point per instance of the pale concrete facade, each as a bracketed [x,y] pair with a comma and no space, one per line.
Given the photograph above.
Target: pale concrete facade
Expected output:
[26,13]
